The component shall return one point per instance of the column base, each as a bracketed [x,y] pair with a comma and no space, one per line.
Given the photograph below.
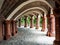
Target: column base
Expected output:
[7,37]
[50,34]
[31,27]
[25,26]
[37,27]
[13,34]
[56,42]
[16,31]
[42,30]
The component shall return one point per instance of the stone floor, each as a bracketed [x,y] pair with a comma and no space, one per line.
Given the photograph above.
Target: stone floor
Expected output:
[27,36]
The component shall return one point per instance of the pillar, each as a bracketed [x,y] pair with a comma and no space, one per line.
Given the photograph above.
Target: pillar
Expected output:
[25,21]
[16,30]
[1,27]
[31,21]
[13,28]
[52,25]
[37,21]
[49,25]
[20,22]
[57,26]
[7,30]
[51,28]
[44,23]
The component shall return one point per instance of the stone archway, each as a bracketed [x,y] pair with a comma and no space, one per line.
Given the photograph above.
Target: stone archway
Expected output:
[41,5]
[25,3]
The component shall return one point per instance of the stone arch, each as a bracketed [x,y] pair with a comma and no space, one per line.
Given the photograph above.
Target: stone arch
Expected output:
[25,3]
[30,12]
[45,11]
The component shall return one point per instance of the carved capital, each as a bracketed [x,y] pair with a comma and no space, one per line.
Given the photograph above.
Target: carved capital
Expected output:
[56,12]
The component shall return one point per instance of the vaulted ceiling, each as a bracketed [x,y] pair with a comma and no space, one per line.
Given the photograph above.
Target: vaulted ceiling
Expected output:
[10,8]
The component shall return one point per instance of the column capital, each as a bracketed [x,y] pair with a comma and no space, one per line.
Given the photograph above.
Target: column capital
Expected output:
[19,19]
[56,12]
[52,16]
[37,16]
[25,16]
[31,15]
[48,16]
[13,21]
[7,21]
[31,18]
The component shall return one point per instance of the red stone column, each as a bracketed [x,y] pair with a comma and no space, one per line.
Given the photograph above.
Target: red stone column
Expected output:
[31,21]
[16,30]
[2,27]
[57,31]
[49,25]
[20,22]
[25,21]
[57,26]
[52,25]
[13,28]
[44,23]
[51,28]
[7,30]
[37,22]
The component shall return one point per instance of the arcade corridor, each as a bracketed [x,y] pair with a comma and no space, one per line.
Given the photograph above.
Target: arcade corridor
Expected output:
[32,13]
[29,36]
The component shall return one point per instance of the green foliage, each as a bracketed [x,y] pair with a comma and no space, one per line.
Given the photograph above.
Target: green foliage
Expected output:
[40,20]
[34,20]
[22,20]
[28,20]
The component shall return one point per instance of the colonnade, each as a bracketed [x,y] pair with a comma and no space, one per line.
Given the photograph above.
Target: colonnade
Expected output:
[9,28]
[48,23]
[52,24]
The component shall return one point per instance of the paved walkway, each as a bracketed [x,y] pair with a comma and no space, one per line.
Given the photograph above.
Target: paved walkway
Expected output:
[27,36]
